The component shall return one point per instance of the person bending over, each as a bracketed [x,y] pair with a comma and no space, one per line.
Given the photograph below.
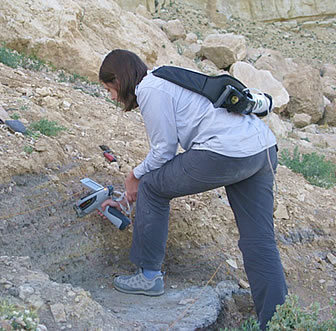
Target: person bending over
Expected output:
[221,148]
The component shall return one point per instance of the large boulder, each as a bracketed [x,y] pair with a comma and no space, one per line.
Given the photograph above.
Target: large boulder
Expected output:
[174,29]
[77,34]
[224,49]
[275,62]
[263,81]
[301,120]
[329,81]
[306,94]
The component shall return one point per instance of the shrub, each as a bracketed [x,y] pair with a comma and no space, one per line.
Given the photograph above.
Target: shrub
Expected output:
[313,167]
[290,316]
[9,57]
[249,325]
[46,127]
[13,59]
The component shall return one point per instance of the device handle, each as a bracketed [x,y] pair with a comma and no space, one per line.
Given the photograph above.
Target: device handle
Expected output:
[222,98]
[116,217]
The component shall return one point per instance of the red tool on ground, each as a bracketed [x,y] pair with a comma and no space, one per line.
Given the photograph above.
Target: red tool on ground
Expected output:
[108,153]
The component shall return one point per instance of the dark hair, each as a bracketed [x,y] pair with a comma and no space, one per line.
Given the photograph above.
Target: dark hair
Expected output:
[128,70]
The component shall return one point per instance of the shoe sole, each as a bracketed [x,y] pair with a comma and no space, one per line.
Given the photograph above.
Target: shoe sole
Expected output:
[156,294]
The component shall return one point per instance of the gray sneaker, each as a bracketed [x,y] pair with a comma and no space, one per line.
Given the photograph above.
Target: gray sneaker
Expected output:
[139,284]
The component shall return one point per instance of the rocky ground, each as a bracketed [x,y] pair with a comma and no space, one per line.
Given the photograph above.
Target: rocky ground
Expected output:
[39,183]
[313,41]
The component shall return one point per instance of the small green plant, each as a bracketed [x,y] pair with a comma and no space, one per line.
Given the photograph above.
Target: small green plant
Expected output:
[116,103]
[28,149]
[24,107]
[313,167]
[199,35]
[17,318]
[13,59]
[46,127]
[75,77]
[179,49]
[62,76]
[71,77]
[9,57]
[15,116]
[249,325]
[291,316]
[33,134]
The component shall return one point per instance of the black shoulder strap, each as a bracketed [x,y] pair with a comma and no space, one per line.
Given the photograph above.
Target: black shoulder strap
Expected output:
[211,87]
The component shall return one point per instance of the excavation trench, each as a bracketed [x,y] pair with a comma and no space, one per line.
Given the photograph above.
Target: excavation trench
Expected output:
[38,220]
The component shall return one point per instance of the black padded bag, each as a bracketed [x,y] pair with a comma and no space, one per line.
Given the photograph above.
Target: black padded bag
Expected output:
[223,91]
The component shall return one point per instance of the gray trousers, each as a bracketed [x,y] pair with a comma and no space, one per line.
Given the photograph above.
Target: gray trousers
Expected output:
[249,186]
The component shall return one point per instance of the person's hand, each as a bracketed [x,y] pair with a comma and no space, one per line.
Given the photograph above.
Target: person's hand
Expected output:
[107,203]
[131,184]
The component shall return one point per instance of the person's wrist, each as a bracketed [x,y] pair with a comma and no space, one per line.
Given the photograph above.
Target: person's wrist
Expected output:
[131,175]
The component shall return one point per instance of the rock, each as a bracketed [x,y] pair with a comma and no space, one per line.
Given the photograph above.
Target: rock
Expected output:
[42,146]
[191,38]
[43,91]
[263,81]
[25,291]
[281,212]
[58,312]
[159,22]
[142,11]
[244,284]
[328,78]
[226,288]
[278,127]
[185,302]
[321,140]
[66,105]
[232,263]
[224,49]
[305,89]
[192,50]
[301,120]
[60,31]
[209,68]
[50,102]
[3,115]
[326,101]
[35,301]
[331,258]
[16,126]
[330,114]
[276,63]
[174,30]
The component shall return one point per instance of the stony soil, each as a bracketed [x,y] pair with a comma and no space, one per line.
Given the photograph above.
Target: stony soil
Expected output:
[38,189]
[311,41]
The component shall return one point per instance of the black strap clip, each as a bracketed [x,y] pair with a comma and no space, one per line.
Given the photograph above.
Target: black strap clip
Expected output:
[235,101]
